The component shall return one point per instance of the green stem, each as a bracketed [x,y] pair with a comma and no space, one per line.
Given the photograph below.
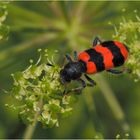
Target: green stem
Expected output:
[29,131]
[93,116]
[112,102]
[31,128]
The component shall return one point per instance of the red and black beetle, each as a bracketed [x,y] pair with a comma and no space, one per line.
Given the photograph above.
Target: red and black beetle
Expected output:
[102,56]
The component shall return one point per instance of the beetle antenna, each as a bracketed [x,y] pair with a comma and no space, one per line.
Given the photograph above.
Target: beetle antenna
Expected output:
[68,57]
[75,56]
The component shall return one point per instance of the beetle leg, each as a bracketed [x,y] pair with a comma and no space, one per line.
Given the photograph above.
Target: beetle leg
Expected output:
[75,55]
[49,64]
[64,92]
[68,57]
[124,69]
[115,71]
[92,82]
[78,89]
[96,41]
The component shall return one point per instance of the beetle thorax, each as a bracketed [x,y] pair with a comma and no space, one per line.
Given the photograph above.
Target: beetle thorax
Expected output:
[71,71]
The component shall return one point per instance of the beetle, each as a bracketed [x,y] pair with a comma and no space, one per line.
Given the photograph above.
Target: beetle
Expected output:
[102,56]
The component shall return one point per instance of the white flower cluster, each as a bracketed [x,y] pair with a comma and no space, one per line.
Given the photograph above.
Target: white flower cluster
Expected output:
[40,94]
[128,32]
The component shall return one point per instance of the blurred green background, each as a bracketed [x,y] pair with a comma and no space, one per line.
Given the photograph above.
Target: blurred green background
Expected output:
[111,108]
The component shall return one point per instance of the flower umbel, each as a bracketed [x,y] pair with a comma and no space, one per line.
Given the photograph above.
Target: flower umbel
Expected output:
[128,32]
[40,93]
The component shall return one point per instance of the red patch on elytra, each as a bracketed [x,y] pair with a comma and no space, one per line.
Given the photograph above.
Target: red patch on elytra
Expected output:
[83,56]
[91,67]
[122,48]
[107,56]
